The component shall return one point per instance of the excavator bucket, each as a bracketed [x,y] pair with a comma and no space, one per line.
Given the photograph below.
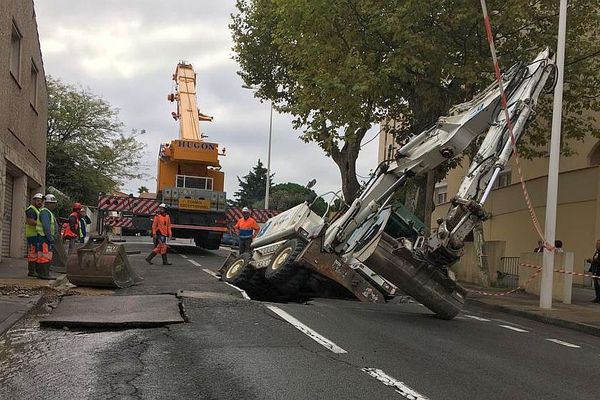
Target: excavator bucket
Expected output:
[101,263]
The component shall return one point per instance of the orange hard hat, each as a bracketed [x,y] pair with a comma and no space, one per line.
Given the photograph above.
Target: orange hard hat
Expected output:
[77,206]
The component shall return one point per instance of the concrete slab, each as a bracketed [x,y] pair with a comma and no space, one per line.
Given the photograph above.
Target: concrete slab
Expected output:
[143,311]
[12,308]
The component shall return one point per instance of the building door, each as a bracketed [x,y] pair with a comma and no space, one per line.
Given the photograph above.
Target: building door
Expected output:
[7,220]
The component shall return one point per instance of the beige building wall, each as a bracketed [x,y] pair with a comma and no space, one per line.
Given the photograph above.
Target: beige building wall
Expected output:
[23,120]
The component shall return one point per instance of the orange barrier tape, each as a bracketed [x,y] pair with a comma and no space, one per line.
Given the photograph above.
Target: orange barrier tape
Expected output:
[562,271]
[531,277]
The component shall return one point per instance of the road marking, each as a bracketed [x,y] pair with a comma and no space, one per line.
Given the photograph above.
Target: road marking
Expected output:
[184,256]
[477,318]
[323,341]
[195,263]
[564,343]
[398,386]
[512,328]
[242,291]
[208,271]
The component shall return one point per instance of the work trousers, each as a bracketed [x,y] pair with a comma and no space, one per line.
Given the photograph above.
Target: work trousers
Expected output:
[244,246]
[597,288]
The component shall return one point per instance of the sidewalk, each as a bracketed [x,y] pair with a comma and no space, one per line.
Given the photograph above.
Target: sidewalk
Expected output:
[582,315]
[18,292]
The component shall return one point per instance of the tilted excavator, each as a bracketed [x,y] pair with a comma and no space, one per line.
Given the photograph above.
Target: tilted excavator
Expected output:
[356,250]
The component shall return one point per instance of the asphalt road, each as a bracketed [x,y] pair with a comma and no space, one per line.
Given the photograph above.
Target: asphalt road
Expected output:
[325,349]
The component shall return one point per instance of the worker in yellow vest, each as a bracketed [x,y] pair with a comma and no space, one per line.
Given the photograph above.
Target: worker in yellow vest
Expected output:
[33,232]
[49,239]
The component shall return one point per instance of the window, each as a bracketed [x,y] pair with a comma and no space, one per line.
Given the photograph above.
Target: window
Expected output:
[33,95]
[194,182]
[15,52]
[440,193]
[504,178]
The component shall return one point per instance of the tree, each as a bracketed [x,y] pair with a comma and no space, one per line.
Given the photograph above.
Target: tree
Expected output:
[340,66]
[87,151]
[252,187]
[143,189]
[284,196]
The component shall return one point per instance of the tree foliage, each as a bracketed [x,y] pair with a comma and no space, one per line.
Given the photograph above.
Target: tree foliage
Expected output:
[143,189]
[252,187]
[340,66]
[284,196]
[87,151]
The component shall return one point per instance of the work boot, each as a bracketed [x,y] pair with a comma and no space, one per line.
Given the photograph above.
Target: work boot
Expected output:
[150,257]
[43,271]
[31,269]
[165,261]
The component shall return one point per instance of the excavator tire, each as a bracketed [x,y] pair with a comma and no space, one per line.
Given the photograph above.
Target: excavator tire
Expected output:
[240,272]
[283,272]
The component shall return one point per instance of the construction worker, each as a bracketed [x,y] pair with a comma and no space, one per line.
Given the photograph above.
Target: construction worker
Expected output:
[84,223]
[33,232]
[71,233]
[48,239]
[161,230]
[247,229]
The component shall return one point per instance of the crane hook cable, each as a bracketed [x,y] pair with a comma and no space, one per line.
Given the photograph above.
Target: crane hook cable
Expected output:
[498,75]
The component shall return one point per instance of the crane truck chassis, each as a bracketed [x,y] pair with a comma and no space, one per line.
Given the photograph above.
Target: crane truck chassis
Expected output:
[354,250]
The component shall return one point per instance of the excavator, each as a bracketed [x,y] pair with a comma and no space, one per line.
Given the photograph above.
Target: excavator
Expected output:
[358,252]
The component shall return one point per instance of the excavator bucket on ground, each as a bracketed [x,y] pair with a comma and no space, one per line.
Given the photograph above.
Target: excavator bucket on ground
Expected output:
[101,263]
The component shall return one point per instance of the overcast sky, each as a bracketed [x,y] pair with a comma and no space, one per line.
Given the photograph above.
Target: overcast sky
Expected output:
[126,52]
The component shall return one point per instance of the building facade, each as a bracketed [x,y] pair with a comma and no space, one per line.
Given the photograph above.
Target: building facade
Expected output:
[23,120]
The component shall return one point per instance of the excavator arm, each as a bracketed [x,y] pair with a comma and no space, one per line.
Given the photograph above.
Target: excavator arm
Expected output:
[355,235]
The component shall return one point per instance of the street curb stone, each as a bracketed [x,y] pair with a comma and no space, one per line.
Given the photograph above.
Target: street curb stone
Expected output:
[577,326]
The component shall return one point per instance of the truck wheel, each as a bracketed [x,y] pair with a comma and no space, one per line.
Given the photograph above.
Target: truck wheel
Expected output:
[239,272]
[283,272]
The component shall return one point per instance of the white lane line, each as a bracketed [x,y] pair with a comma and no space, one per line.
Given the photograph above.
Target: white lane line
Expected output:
[564,343]
[242,291]
[208,271]
[323,341]
[400,387]
[195,263]
[512,328]
[184,256]
[477,318]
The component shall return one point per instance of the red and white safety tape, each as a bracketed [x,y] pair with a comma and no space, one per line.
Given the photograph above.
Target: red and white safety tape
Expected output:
[563,271]
[531,277]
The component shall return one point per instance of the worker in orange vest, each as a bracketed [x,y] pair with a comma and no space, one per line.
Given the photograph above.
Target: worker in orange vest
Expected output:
[161,230]
[71,228]
[247,229]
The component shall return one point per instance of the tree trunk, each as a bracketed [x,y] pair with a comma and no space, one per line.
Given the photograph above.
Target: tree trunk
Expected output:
[346,162]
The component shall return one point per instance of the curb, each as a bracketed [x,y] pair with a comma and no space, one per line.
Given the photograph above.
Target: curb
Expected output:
[576,326]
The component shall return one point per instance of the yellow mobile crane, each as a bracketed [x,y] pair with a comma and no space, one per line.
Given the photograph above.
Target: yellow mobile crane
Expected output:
[190,181]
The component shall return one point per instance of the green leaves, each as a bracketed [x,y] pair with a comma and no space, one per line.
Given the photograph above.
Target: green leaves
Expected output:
[252,188]
[87,151]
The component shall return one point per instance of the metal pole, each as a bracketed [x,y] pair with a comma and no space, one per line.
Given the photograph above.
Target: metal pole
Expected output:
[268,186]
[552,197]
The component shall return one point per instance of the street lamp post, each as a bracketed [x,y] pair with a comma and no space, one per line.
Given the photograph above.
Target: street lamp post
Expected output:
[268,186]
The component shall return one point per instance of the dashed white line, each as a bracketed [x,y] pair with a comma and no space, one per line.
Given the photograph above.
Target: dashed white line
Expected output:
[184,256]
[567,344]
[195,263]
[512,328]
[477,318]
[323,341]
[400,387]
[242,291]
[208,271]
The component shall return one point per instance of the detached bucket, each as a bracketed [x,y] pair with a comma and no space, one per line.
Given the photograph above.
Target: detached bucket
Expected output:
[101,263]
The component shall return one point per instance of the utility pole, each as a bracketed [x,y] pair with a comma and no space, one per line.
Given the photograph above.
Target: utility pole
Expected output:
[552,195]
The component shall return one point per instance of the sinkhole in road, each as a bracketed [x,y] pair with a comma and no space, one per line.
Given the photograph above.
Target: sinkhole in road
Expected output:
[300,287]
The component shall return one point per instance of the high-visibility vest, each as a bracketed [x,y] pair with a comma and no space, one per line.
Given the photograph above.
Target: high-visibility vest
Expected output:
[68,232]
[52,221]
[162,225]
[38,229]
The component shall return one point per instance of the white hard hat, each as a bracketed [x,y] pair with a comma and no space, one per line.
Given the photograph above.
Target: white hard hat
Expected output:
[162,205]
[38,196]
[245,209]
[50,198]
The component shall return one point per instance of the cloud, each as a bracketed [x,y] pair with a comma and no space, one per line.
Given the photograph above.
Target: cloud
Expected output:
[126,52]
